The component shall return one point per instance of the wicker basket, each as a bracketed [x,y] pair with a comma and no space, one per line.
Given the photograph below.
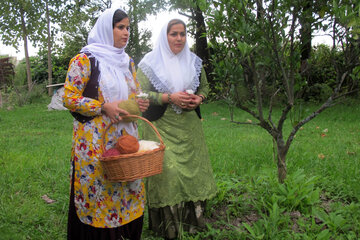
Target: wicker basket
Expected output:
[129,167]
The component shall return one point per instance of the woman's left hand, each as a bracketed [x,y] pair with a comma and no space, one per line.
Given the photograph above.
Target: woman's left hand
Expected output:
[143,104]
[195,102]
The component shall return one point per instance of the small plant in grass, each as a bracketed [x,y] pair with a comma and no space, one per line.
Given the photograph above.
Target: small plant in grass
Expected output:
[298,192]
[271,226]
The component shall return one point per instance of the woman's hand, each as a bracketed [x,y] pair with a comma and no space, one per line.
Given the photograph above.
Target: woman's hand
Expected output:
[195,101]
[143,104]
[113,111]
[181,99]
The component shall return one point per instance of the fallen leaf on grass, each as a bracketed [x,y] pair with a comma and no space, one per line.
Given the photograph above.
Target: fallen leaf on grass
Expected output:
[248,120]
[223,119]
[295,214]
[323,135]
[47,199]
[325,130]
[317,127]
[321,156]
[215,114]
[350,153]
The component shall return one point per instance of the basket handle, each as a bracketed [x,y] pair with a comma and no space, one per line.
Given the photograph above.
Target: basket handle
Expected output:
[131,116]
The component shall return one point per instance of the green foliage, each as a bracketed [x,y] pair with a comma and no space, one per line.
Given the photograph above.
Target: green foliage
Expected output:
[298,192]
[261,50]
[20,95]
[83,15]
[20,74]
[254,45]
[12,14]
[139,39]
[322,75]
[17,93]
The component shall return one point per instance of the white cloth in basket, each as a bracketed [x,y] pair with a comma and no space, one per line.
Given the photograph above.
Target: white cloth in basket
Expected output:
[146,145]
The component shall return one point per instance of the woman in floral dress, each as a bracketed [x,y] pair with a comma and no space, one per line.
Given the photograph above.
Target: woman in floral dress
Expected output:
[98,78]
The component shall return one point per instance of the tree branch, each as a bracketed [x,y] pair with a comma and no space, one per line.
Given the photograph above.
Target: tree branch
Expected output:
[257,82]
[252,113]
[292,50]
[246,123]
[277,57]
[326,105]
[271,107]
[283,116]
[186,15]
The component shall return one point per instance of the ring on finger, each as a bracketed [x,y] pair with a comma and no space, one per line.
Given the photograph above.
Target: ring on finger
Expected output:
[182,104]
[117,117]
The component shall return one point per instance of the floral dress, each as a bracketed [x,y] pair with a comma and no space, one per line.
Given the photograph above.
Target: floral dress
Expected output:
[98,202]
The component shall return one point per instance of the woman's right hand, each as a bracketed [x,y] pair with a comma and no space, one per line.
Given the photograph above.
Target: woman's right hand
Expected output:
[113,111]
[181,99]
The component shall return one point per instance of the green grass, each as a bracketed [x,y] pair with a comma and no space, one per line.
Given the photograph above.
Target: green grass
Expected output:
[320,199]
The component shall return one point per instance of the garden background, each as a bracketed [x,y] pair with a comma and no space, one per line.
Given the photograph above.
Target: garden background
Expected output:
[280,121]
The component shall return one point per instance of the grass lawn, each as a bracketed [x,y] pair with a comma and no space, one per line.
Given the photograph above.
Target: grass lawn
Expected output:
[319,200]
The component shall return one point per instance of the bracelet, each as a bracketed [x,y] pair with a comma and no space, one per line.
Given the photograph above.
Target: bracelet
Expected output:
[102,108]
[202,98]
[169,98]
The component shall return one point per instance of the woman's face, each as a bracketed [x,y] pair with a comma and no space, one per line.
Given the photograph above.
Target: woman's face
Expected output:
[177,38]
[121,33]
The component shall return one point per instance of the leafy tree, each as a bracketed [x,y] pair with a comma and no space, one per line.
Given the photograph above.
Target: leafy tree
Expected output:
[138,11]
[258,59]
[81,15]
[53,15]
[19,20]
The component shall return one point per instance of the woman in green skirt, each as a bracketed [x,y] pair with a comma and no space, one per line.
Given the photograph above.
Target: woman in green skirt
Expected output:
[174,78]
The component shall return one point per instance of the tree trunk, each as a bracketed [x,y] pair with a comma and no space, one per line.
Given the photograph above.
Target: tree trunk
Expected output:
[281,159]
[201,45]
[305,37]
[1,102]
[135,35]
[259,9]
[28,71]
[50,89]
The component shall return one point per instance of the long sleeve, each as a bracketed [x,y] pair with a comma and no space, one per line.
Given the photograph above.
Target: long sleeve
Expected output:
[147,87]
[203,89]
[76,79]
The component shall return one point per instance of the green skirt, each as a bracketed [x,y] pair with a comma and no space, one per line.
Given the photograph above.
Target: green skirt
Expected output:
[187,174]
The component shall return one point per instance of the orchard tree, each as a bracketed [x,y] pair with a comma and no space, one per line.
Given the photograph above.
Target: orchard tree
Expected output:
[82,15]
[259,53]
[19,19]
[52,14]
[138,11]
[79,17]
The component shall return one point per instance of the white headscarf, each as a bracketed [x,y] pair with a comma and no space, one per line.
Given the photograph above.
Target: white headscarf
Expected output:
[113,63]
[169,72]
